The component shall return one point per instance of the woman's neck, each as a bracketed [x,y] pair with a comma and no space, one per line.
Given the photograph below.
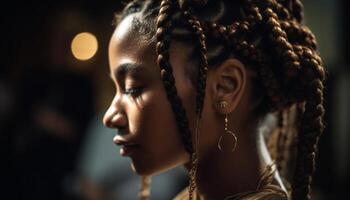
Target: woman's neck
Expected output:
[221,174]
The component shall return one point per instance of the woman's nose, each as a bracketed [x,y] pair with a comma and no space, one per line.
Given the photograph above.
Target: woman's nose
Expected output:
[114,118]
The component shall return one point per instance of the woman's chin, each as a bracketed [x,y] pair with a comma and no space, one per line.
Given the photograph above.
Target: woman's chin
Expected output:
[141,170]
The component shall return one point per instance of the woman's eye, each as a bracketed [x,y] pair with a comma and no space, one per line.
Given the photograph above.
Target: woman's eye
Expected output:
[134,91]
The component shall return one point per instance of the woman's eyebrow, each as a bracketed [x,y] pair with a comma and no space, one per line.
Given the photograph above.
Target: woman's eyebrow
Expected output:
[124,69]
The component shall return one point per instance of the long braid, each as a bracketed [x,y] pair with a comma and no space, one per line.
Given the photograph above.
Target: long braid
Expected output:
[283,47]
[163,43]
[297,7]
[196,27]
[308,136]
[282,139]
[311,128]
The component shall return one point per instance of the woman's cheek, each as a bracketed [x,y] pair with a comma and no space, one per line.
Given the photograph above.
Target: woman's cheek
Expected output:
[137,110]
[153,122]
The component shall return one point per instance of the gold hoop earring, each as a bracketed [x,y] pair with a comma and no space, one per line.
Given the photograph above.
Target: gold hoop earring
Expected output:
[145,190]
[223,105]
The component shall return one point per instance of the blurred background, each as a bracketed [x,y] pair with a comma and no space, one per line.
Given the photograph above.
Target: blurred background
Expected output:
[54,88]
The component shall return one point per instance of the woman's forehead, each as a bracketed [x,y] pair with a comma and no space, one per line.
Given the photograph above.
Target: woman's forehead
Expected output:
[124,30]
[128,42]
[128,46]
[127,36]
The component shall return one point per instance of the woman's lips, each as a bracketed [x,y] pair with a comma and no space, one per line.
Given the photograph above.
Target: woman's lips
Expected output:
[127,147]
[127,150]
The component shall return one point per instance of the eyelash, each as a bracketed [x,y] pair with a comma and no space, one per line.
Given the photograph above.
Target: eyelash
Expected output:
[134,91]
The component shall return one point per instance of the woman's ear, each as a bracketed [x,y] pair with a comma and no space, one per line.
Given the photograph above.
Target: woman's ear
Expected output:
[229,84]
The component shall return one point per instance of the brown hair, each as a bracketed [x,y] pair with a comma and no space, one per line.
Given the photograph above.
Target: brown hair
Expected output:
[268,37]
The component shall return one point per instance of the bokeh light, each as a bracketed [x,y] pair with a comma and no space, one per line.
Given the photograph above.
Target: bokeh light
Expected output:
[84,46]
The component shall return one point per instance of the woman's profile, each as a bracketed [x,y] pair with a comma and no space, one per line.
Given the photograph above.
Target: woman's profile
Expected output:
[232,90]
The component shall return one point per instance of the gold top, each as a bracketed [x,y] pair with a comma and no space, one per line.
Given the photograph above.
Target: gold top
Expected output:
[266,189]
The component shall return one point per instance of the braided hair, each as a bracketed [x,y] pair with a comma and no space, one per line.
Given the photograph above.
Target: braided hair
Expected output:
[268,36]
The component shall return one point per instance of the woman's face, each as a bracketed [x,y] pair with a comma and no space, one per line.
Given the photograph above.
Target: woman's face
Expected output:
[140,110]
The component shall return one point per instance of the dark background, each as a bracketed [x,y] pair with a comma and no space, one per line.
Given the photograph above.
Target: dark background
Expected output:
[42,83]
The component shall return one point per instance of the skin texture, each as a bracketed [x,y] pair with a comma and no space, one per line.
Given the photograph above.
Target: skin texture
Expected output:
[145,118]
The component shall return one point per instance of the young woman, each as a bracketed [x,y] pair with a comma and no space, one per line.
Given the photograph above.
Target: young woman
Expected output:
[197,84]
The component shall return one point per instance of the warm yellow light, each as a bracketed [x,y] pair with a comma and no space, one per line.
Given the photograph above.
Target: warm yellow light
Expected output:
[84,46]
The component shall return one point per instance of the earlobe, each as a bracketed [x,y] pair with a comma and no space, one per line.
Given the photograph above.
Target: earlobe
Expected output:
[229,84]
